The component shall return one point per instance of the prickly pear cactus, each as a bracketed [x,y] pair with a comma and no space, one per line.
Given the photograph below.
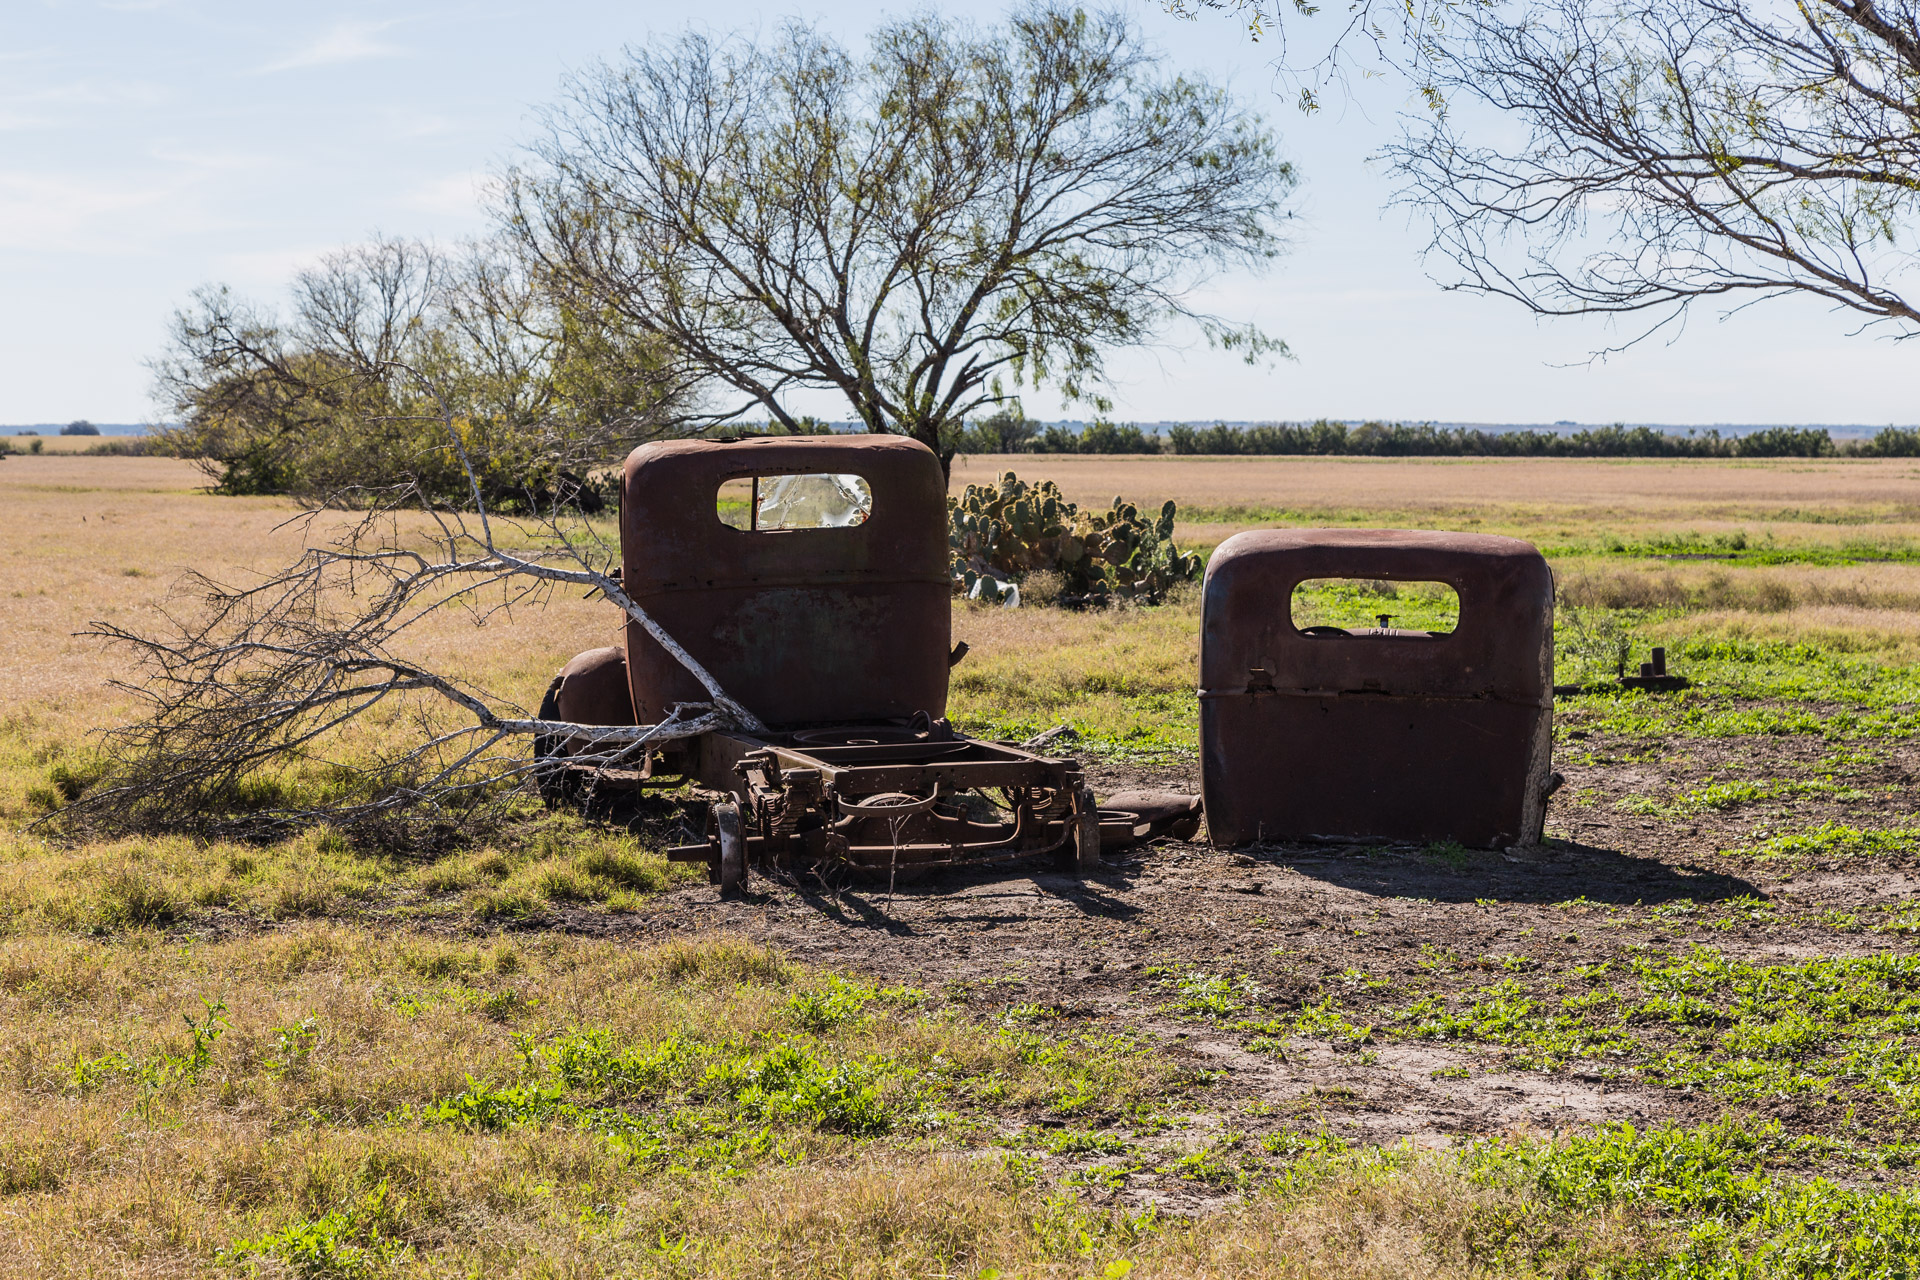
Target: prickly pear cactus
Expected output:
[1000,533]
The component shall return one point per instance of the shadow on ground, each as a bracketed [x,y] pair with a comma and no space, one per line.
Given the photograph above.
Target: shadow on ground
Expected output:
[1560,871]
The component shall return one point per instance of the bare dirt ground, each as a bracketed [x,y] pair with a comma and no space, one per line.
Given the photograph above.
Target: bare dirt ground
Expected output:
[1362,923]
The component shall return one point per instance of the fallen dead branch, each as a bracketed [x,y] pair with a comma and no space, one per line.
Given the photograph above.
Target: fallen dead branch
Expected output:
[256,696]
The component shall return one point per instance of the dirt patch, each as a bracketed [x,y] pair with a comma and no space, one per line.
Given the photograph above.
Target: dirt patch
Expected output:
[1684,796]
[1369,928]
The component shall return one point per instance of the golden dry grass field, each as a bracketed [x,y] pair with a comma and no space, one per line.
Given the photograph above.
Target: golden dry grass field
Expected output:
[1550,498]
[1678,1040]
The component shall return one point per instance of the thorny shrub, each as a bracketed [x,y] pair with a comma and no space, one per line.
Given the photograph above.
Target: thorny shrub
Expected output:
[1000,534]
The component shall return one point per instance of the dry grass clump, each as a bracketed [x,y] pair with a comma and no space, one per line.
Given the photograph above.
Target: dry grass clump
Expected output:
[959,1216]
[1113,671]
[1873,610]
[1887,635]
[542,1203]
[111,887]
[524,872]
[164,1103]
[1760,589]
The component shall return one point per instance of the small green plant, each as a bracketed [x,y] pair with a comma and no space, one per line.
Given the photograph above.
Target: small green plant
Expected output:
[1072,1142]
[347,1243]
[163,1070]
[293,1046]
[1212,1166]
[837,1000]
[1834,840]
[1593,644]
[1211,996]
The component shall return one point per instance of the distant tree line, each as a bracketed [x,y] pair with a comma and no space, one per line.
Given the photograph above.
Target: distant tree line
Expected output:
[1010,433]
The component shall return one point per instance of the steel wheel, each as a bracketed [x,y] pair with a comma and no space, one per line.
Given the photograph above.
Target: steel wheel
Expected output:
[733,848]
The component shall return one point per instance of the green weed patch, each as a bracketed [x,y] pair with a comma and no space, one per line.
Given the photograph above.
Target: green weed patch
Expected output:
[1833,840]
[1720,796]
[698,1100]
[1722,1183]
[1736,547]
[1759,689]
[1835,1031]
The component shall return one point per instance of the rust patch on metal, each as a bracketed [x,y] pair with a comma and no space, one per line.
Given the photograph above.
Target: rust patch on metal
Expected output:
[888,798]
[592,689]
[1377,733]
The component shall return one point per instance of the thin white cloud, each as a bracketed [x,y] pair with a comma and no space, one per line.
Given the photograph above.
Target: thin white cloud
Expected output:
[455,195]
[346,42]
[418,124]
[133,212]
[46,211]
[95,93]
[208,160]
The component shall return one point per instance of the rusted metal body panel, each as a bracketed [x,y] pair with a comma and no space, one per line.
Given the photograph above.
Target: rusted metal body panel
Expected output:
[804,626]
[592,689]
[1376,734]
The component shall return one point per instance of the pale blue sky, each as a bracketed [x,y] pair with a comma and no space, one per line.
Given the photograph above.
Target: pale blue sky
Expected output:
[149,146]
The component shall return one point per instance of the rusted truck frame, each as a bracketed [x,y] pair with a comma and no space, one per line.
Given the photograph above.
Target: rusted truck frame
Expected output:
[887,798]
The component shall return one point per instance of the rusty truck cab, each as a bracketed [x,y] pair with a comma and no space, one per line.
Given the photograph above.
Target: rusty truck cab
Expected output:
[830,620]
[1330,733]
[806,626]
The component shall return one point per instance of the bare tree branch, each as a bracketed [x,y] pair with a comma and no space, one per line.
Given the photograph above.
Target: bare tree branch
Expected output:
[1679,150]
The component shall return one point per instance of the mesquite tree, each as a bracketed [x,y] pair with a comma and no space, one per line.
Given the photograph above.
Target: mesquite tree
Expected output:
[923,229]
[321,400]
